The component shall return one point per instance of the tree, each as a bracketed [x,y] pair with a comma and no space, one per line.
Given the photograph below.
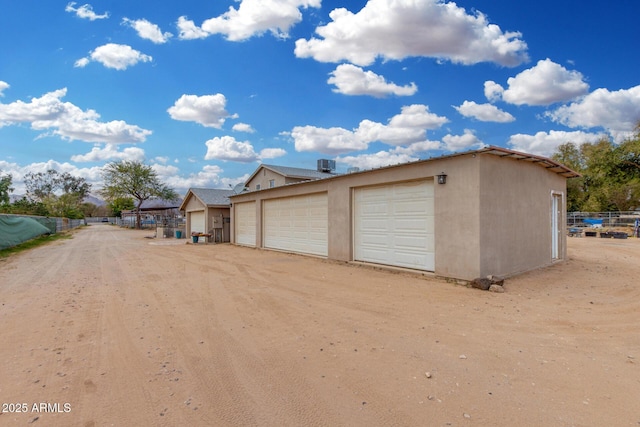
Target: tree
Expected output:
[24,206]
[136,180]
[120,204]
[569,155]
[61,193]
[92,210]
[610,174]
[5,188]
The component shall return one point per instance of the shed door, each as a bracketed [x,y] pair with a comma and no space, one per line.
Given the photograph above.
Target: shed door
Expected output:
[556,226]
[394,225]
[197,221]
[245,223]
[297,224]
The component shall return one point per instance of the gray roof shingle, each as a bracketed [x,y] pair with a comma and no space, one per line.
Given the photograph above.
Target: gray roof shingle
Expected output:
[213,197]
[298,172]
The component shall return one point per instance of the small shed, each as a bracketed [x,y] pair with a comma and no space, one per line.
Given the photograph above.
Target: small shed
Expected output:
[207,211]
[491,211]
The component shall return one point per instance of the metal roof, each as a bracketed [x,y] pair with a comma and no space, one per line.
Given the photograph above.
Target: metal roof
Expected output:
[544,162]
[550,165]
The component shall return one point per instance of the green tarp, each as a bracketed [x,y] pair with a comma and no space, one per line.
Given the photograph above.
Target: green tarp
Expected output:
[16,229]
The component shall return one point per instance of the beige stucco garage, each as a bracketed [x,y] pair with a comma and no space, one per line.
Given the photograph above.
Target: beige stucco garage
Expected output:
[500,212]
[207,212]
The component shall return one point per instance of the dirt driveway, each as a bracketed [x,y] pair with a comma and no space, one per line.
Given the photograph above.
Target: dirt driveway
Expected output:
[112,328]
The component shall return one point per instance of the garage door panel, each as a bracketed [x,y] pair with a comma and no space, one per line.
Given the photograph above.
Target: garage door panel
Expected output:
[297,224]
[408,207]
[404,259]
[245,219]
[371,241]
[197,221]
[394,225]
[408,224]
[375,224]
[410,241]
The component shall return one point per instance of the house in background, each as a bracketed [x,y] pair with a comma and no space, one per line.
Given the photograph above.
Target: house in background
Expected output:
[270,176]
[208,211]
[491,211]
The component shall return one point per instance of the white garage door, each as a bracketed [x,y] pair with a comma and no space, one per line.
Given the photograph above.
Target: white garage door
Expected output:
[393,225]
[245,223]
[297,224]
[197,221]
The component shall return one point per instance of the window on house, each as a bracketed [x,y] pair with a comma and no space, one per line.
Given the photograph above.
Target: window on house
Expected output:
[272,183]
[257,186]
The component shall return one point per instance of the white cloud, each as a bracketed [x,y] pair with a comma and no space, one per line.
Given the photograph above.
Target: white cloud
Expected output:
[110,152]
[484,112]
[251,18]
[207,110]
[92,175]
[396,29]
[148,30]
[210,176]
[189,30]
[418,147]
[369,131]
[461,142]
[544,84]
[166,171]
[376,160]
[618,112]
[545,143]
[411,152]
[112,55]
[416,116]
[352,80]
[326,140]
[272,153]
[85,11]
[3,86]
[82,62]
[408,127]
[162,159]
[227,148]
[493,91]
[68,121]
[243,127]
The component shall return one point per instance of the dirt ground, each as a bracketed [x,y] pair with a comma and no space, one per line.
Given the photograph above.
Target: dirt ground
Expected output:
[111,328]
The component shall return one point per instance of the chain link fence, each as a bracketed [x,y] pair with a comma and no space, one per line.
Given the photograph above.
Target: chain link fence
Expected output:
[603,219]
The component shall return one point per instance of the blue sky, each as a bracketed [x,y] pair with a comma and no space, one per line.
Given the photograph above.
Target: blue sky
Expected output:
[206,91]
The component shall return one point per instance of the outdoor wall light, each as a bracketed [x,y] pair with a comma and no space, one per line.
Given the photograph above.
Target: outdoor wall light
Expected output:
[442,178]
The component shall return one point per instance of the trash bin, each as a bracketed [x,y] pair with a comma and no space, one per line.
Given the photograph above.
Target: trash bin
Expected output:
[195,239]
[178,234]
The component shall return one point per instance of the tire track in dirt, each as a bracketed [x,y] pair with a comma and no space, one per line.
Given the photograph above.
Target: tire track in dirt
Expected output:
[221,335]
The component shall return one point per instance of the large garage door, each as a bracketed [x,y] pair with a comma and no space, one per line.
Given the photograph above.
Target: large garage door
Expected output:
[245,223]
[197,221]
[393,225]
[297,224]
